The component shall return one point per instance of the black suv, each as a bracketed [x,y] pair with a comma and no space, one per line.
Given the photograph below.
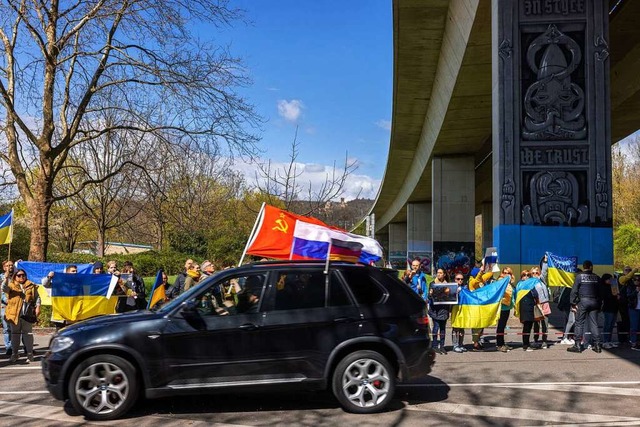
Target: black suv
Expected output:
[356,330]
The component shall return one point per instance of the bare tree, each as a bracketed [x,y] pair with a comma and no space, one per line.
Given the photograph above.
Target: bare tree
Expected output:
[62,63]
[67,225]
[286,185]
[120,157]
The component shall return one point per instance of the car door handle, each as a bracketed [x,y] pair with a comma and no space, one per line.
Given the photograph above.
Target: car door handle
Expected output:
[343,320]
[248,327]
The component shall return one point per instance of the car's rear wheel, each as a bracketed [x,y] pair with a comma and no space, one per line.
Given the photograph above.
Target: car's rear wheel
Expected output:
[364,382]
[103,387]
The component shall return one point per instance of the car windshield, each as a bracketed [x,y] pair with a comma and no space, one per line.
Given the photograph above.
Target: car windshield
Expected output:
[166,308]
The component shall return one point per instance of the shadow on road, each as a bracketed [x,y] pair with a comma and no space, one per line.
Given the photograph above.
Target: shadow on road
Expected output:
[313,406]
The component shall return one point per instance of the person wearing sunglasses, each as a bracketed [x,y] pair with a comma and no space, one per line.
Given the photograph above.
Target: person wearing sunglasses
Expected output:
[457,334]
[21,295]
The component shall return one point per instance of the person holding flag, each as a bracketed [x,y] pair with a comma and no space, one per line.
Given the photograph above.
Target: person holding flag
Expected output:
[158,291]
[524,302]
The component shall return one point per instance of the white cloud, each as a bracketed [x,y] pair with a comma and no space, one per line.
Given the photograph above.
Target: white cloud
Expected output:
[290,110]
[313,168]
[314,175]
[384,124]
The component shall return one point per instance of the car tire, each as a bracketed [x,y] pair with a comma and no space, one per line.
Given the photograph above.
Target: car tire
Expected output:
[103,387]
[364,382]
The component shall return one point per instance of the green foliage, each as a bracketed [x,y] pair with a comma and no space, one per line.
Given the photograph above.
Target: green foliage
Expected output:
[44,319]
[193,242]
[145,263]
[626,241]
[20,244]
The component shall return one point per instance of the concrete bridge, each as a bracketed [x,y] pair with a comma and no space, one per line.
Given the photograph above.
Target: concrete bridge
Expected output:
[507,109]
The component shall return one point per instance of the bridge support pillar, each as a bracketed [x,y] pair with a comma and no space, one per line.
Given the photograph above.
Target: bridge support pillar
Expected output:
[551,131]
[398,245]
[487,226]
[419,243]
[453,223]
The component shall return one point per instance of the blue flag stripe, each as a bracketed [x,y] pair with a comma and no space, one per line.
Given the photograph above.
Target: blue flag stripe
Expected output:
[77,285]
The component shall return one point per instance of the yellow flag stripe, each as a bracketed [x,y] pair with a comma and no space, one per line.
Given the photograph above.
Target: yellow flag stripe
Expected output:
[82,307]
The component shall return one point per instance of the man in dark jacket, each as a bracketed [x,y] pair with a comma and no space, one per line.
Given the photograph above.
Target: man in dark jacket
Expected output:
[586,295]
[178,285]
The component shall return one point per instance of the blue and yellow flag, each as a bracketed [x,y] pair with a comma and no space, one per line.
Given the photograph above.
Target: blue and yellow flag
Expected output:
[36,271]
[6,228]
[561,270]
[479,308]
[82,296]
[523,288]
[158,292]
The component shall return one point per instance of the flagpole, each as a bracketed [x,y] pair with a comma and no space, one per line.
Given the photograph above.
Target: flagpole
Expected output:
[10,237]
[253,231]
[293,241]
[326,266]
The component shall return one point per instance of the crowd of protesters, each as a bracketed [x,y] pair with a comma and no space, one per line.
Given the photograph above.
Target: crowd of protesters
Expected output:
[591,299]
[21,302]
[617,300]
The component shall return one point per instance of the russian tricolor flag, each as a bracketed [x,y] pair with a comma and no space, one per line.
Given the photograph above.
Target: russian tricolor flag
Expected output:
[312,241]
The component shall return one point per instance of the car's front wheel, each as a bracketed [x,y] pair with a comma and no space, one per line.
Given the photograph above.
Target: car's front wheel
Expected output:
[103,387]
[364,382]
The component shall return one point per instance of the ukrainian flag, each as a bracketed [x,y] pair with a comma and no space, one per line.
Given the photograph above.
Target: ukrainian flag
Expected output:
[522,289]
[561,270]
[479,308]
[82,296]
[6,228]
[158,292]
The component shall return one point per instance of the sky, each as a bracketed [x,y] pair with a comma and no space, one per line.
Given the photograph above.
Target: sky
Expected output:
[325,66]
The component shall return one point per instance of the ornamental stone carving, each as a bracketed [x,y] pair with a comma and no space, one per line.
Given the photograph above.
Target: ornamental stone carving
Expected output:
[553,104]
[554,200]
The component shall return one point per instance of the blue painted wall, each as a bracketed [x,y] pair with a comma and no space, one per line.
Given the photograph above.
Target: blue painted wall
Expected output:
[525,244]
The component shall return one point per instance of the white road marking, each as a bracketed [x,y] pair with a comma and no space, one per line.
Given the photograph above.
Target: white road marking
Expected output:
[523,384]
[20,368]
[574,388]
[517,413]
[606,424]
[58,414]
[24,392]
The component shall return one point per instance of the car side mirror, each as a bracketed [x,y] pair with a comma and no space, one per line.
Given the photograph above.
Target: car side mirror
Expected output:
[190,313]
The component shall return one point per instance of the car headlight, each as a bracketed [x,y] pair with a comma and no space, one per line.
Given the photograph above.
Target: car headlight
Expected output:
[61,343]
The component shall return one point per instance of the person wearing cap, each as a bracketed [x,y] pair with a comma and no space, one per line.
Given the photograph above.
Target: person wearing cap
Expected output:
[586,295]
[98,267]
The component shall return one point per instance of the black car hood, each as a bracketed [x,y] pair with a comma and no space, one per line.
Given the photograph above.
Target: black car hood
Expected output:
[110,320]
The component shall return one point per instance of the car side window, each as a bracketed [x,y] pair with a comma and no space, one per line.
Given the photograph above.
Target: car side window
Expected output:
[299,290]
[337,294]
[234,295]
[366,290]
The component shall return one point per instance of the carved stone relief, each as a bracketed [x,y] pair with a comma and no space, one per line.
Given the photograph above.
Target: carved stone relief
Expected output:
[554,200]
[553,104]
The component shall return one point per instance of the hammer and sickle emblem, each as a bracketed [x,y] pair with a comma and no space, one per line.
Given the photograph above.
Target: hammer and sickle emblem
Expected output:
[281,225]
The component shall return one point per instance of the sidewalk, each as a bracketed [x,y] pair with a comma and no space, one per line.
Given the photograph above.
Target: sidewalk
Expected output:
[41,339]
